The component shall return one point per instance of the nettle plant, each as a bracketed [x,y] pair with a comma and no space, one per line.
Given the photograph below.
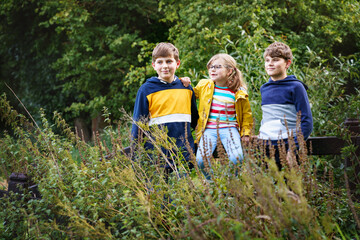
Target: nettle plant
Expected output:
[96,191]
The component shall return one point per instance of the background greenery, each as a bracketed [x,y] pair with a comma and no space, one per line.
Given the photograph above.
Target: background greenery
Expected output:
[80,57]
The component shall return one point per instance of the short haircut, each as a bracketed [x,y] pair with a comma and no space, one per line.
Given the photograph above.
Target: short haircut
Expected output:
[165,49]
[278,49]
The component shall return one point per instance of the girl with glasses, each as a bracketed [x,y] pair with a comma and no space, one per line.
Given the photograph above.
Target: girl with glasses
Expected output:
[224,110]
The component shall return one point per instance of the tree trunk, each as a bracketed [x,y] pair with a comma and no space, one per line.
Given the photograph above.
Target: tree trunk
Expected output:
[82,130]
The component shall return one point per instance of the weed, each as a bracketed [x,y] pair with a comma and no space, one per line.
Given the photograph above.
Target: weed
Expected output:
[95,191]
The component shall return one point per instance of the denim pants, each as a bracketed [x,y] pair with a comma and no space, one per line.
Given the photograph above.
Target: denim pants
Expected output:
[231,140]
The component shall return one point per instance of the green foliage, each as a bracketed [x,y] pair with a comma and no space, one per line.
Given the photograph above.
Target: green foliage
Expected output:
[81,56]
[75,53]
[27,50]
[100,50]
[95,191]
[201,28]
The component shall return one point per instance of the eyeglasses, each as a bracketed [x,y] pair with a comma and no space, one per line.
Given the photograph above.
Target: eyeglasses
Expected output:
[215,67]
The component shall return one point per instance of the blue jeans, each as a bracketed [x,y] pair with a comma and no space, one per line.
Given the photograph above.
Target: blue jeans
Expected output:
[231,140]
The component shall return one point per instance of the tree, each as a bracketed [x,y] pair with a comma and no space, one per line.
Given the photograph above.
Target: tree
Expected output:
[27,50]
[75,53]
[202,28]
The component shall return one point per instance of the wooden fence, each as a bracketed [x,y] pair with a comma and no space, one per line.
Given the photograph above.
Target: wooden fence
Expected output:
[333,145]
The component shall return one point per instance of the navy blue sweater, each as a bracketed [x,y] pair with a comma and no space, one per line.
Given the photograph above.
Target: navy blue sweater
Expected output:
[169,105]
[281,100]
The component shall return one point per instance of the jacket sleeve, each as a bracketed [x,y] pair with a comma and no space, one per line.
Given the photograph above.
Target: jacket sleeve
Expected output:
[200,87]
[196,91]
[246,123]
[302,105]
[194,110]
[141,111]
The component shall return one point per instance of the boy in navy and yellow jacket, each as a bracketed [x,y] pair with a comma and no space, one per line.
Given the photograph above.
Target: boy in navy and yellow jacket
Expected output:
[164,101]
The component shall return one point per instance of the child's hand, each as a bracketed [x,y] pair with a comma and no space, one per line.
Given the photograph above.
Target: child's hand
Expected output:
[185,81]
[245,139]
[291,159]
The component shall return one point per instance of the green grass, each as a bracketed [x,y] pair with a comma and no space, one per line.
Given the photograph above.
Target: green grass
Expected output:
[129,198]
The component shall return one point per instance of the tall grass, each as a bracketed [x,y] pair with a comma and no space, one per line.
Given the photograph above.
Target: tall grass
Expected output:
[95,191]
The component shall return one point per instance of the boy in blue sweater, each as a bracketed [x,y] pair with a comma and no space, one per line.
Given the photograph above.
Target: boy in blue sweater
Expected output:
[164,101]
[283,97]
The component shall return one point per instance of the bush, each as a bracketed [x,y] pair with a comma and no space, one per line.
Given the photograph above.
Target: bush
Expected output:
[95,191]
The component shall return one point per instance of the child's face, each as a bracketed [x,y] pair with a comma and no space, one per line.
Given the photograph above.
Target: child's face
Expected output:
[219,73]
[165,67]
[276,67]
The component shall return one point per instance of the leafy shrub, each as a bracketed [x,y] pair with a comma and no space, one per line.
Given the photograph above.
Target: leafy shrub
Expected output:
[96,191]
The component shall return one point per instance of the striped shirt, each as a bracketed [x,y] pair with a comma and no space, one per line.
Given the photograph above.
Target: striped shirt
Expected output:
[222,111]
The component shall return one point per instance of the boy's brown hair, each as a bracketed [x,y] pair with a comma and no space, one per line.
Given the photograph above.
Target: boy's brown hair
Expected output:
[165,49]
[278,49]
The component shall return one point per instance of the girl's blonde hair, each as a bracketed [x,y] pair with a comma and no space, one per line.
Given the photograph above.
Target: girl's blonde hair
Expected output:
[235,80]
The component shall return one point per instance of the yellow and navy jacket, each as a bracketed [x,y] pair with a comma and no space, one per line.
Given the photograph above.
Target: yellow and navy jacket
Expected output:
[204,91]
[170,105]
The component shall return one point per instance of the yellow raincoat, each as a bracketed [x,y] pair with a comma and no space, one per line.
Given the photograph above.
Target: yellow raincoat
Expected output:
[204,91]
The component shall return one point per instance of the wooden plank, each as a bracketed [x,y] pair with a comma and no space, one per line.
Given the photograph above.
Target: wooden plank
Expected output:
[328,145]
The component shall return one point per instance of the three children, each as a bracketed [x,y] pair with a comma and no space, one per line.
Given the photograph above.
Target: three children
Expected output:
[225,111]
